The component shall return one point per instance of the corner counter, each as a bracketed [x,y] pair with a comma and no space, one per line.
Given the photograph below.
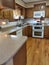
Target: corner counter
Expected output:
[9,46]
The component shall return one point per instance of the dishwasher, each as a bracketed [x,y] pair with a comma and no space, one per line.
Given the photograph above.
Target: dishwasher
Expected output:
[19,32]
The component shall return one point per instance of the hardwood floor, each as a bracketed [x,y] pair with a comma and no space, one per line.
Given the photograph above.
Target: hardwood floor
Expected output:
[37,51]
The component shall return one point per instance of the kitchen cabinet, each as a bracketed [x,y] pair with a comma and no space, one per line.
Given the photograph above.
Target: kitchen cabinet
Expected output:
[27,31]
[46,31]
[17,12]
[10,15]
[47,12]
[23,12]
[9,3]
[18,33]
[29,12]
[6,14]
[20,57]
[1,14]
[13,33]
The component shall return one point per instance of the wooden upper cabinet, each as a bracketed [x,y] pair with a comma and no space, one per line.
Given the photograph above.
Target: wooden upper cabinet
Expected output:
[47,12]
[23,12]
[6,14]
[38,7]
[8,3]
[19,10]
[29,12]
[1,14]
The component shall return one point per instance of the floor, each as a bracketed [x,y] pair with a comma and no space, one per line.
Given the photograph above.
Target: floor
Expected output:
[37,51]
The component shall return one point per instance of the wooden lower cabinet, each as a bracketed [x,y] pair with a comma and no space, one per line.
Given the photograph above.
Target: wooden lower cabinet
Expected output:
[13,33]
[21,57]
[46,32]
[27,31]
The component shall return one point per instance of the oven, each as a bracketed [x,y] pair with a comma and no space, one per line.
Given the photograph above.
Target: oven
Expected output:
[38,31]
[39,34]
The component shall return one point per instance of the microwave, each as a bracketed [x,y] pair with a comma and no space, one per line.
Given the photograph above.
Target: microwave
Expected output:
[38,14]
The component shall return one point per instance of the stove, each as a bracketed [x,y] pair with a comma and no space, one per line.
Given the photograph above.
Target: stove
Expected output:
[38,30]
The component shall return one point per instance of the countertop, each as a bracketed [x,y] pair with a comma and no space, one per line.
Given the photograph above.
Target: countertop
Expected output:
[9,45]
[12,29]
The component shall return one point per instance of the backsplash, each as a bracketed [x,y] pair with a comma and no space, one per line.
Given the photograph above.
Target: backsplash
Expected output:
[31,20]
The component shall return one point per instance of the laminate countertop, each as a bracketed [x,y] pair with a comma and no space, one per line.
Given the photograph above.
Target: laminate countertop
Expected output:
[9,45]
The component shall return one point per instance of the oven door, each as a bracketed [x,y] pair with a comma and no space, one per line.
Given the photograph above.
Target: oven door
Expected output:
[39,34]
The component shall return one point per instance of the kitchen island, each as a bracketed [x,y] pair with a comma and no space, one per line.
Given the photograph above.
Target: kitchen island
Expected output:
[9,46]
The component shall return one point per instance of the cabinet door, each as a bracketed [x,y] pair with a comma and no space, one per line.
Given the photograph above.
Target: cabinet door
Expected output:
[6,14]
[20,57]
[13,33]
[30,31]
[1,14]
[11,15]
[29,12]
[25,31]
[46,32]
[23,12]
[47,12]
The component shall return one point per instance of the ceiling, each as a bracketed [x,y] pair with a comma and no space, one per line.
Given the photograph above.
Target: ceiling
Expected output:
[28,1]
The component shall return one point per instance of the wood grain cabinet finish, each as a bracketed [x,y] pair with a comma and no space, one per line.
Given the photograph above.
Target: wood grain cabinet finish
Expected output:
[46,31]
[27,31]
[23,12]
[6,14]
[29,12]
[13,33]
[20,58]
[8,3]
[1,14]
[47,12]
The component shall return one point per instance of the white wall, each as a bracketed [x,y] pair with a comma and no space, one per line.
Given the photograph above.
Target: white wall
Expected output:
[20,2]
